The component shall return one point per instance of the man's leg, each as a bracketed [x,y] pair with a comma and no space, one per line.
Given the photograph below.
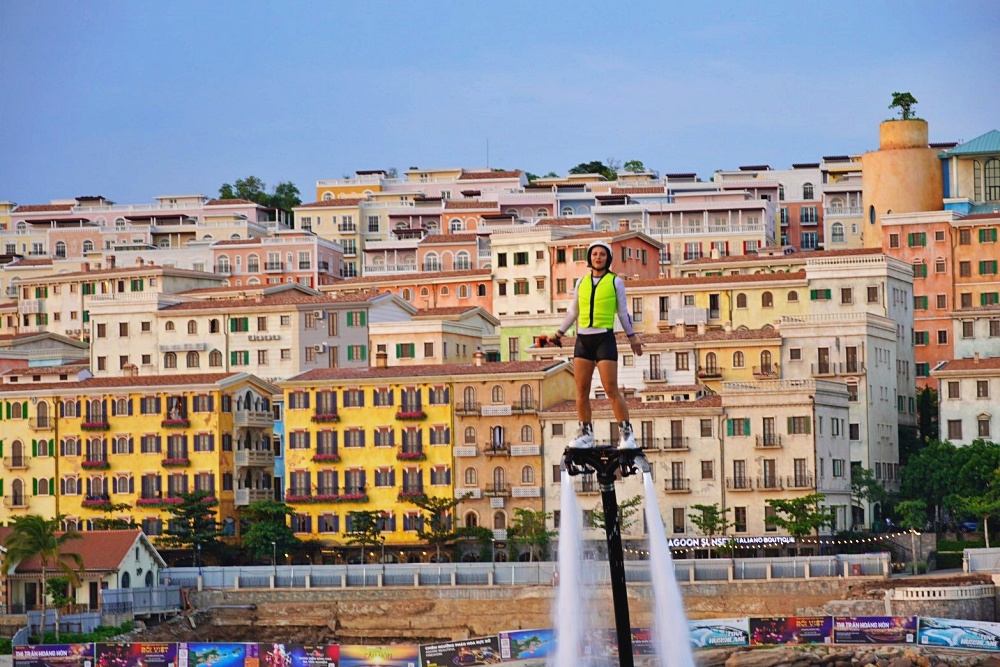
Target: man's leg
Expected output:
[609,378]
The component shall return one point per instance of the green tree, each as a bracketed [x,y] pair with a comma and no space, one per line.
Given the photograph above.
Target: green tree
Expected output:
[365,530]
[865,487]
[267,529]
[928,475]
[109,522]
[974,467]
[905,103]
[627,511]
[192,524]
[531,177]
[982,505]
[35,536]
[634,166]
[912,516]
[285,195]
[438,525]
[801,516]
[528,530]
[595,167]
[58,590]
[927,416]
[710,520]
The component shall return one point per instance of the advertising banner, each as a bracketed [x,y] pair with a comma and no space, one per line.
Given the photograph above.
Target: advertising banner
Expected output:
[214,655]
[475,651]
[136,655]
[299,655]
[875,630]
[714,632]
[397,655]
[791,630]
[533,646]
[54,655]
[977,635]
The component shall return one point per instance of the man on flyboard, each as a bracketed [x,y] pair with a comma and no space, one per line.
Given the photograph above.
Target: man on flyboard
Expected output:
[596,299]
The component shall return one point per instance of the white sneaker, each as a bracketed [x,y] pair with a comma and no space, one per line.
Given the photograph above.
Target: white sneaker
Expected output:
[626,439]
[584,437]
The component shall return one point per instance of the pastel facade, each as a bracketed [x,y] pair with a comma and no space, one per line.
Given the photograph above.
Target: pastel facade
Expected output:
[967,399]
[439,335]
[446,289]
[285,257]
[843,207]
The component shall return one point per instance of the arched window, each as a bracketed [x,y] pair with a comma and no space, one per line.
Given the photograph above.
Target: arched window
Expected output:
[738,359]
[88,246]
[253,264]
[527,434]
[222,265]
[169,325]
[463,291]
[469,398]
[215,359]
[527,397]
[43,445]
[470,435]
[126,580]
[121,406]
[432,262]
[17,493]
[16,411]
[499,520]
[70,484]
[765,362]
[170,360]
[407,294]
[456,225]
[711,363]
[60,249]
[462,261]
[543,213]
[471,520]
[424,291]
[807,190]
[445,291]
[837,233]
[234,237]
[527,475]
[96,410]
[793,296]
[497,394]
[193,360]
[767,300]
[213,326]
[741,300]
[471,476]
[499,477]
[192,327]
[567,211]
[481,290]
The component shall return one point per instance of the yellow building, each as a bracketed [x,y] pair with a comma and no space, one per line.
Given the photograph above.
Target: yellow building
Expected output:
[73,448]
[373,439]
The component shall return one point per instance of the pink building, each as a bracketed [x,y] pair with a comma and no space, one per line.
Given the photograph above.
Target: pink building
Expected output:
[286,257]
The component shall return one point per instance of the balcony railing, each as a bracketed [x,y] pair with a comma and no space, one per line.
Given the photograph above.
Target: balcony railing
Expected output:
[347,228]
[769,482]
[410,453]
[766,371]
[223,269]
[654,374]
[246,496]
[739,484]
[803,481]
[524,406]
[496,449]
[465,451]
[497,490]
[709,372]
[675,442]
[586,485]
[255,458]
[677,485]
[820,370]
[274,267]
[15,462]
[251,419]
[467,408]
[769,440]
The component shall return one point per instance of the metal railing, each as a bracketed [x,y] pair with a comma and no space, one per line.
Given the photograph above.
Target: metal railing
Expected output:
[467,408]
[769,482]
[677,484]
[769,440]
[496,449]
[739,484]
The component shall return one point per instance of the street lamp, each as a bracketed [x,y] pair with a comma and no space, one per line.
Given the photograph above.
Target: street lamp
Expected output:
[274,558]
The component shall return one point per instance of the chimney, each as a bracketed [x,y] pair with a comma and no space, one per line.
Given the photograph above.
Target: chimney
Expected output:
[623,224]
[975,358]
[679,329]
[478,356]
[701,328]
[381,359]
[727,326]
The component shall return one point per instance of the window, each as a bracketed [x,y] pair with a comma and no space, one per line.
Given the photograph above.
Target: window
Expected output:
[215,359]
[983,426]
[954,389]
[893,240]
[807,191]
[942,301]
[170,360]
[795,354]
[837,233]
[520,258]
[942,337]
[919,269]
[766,300]
[846,295]
[808,215]
[872,294]
[965,237]
[681,361]
[798,425]
[940,266]
[988,235]
[982,388]
[916,239]
[739,361]
[968,329]
[706,428]
[502,258]
[678,519]
[741,300]
[793,296]
[193,360]
[820,294]
[520,287]
[966,299]
[739,427]
[988,267]
[954,429]
[994,328]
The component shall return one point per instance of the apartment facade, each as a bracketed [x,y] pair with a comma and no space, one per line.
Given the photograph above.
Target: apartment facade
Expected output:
[967,399]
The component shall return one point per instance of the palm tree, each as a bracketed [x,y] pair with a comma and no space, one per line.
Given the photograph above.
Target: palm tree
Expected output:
[34,535]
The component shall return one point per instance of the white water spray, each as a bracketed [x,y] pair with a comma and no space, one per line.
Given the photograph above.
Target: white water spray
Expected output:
[670,628]
[569,617]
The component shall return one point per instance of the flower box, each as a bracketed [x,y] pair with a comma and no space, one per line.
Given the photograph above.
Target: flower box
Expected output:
[95,426]
[149,502]
[353,498]
[175,463]
[326,418]
[411,456]
[411,416]
[97,504]
[405,496]
[175,423]
[326,458]
[96,465]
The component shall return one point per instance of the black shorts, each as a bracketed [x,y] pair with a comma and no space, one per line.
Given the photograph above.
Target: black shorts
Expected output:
[596,347]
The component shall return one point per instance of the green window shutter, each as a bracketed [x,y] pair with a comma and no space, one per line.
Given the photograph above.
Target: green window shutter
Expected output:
[790,426]
[399,350]
[1,486]
[363,318]
[24,410]
[246,357]
[729,427]
[52,486]
[8,411]
[34,448]
[923,238]
[364,352]
[413,349]
[232,325]
[232,358]
[808,425]
[982,302]
[86,316]
[812,294]
[746,426]
[993,235]
[350,353]
[34,486]
[1,454]
[350,319]
[829,294]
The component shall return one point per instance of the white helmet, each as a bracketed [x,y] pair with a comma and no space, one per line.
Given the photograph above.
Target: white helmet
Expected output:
[600,244]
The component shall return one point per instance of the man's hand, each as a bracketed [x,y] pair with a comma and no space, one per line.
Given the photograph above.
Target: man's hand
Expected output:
[636,345]
[556,339]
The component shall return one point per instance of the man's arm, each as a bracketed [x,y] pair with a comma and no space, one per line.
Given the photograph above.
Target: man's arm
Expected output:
[571,313]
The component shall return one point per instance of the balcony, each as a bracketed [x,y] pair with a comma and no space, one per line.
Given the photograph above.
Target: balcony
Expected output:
[31,306]
[384,269]
[843,211]
[497,490]
[739,484]
[676,442]
[274,267]
[687,315]
[15,462]
[527,492]
[692,255]
[649,443]
[41,423]
[430,266]
[823,369]
[677,485]
[587,485]
[15,502]
[768,440]
[223,269]
[249,419]
[246,496]
[254,458]
[767,371]
[772,482]
[467,408]
[465,451]
[347,228]
[411,453]
[654,375]
[526,450]
[709,372]
[496,449]
[523,407]
[802,481]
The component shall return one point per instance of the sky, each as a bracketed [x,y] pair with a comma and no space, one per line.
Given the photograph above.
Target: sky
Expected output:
[132,100]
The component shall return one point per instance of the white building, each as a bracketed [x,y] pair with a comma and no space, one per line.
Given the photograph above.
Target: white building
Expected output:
[968,408]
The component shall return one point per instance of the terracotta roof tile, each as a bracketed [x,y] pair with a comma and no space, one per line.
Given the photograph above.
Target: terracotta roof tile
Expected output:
[333,203]
[441,239]
[410,277]
[424,371]
[984,364]
[638,190]
[793,257]
[251,241]
[708,280]
[978,309]
[42,208]
[674,389]
[472,205]
[30,262]
[485,175]
[131,271]
[230,202]
[101,550]
[222,289]
[564,222]
[264,301]
[438,312]
[603,405]
[121,382]
[982,216]
[69,367]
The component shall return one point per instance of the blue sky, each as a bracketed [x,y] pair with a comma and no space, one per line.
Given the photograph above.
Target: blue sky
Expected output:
[136,99]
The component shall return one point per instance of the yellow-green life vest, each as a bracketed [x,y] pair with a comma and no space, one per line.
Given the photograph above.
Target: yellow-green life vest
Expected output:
[597,303]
